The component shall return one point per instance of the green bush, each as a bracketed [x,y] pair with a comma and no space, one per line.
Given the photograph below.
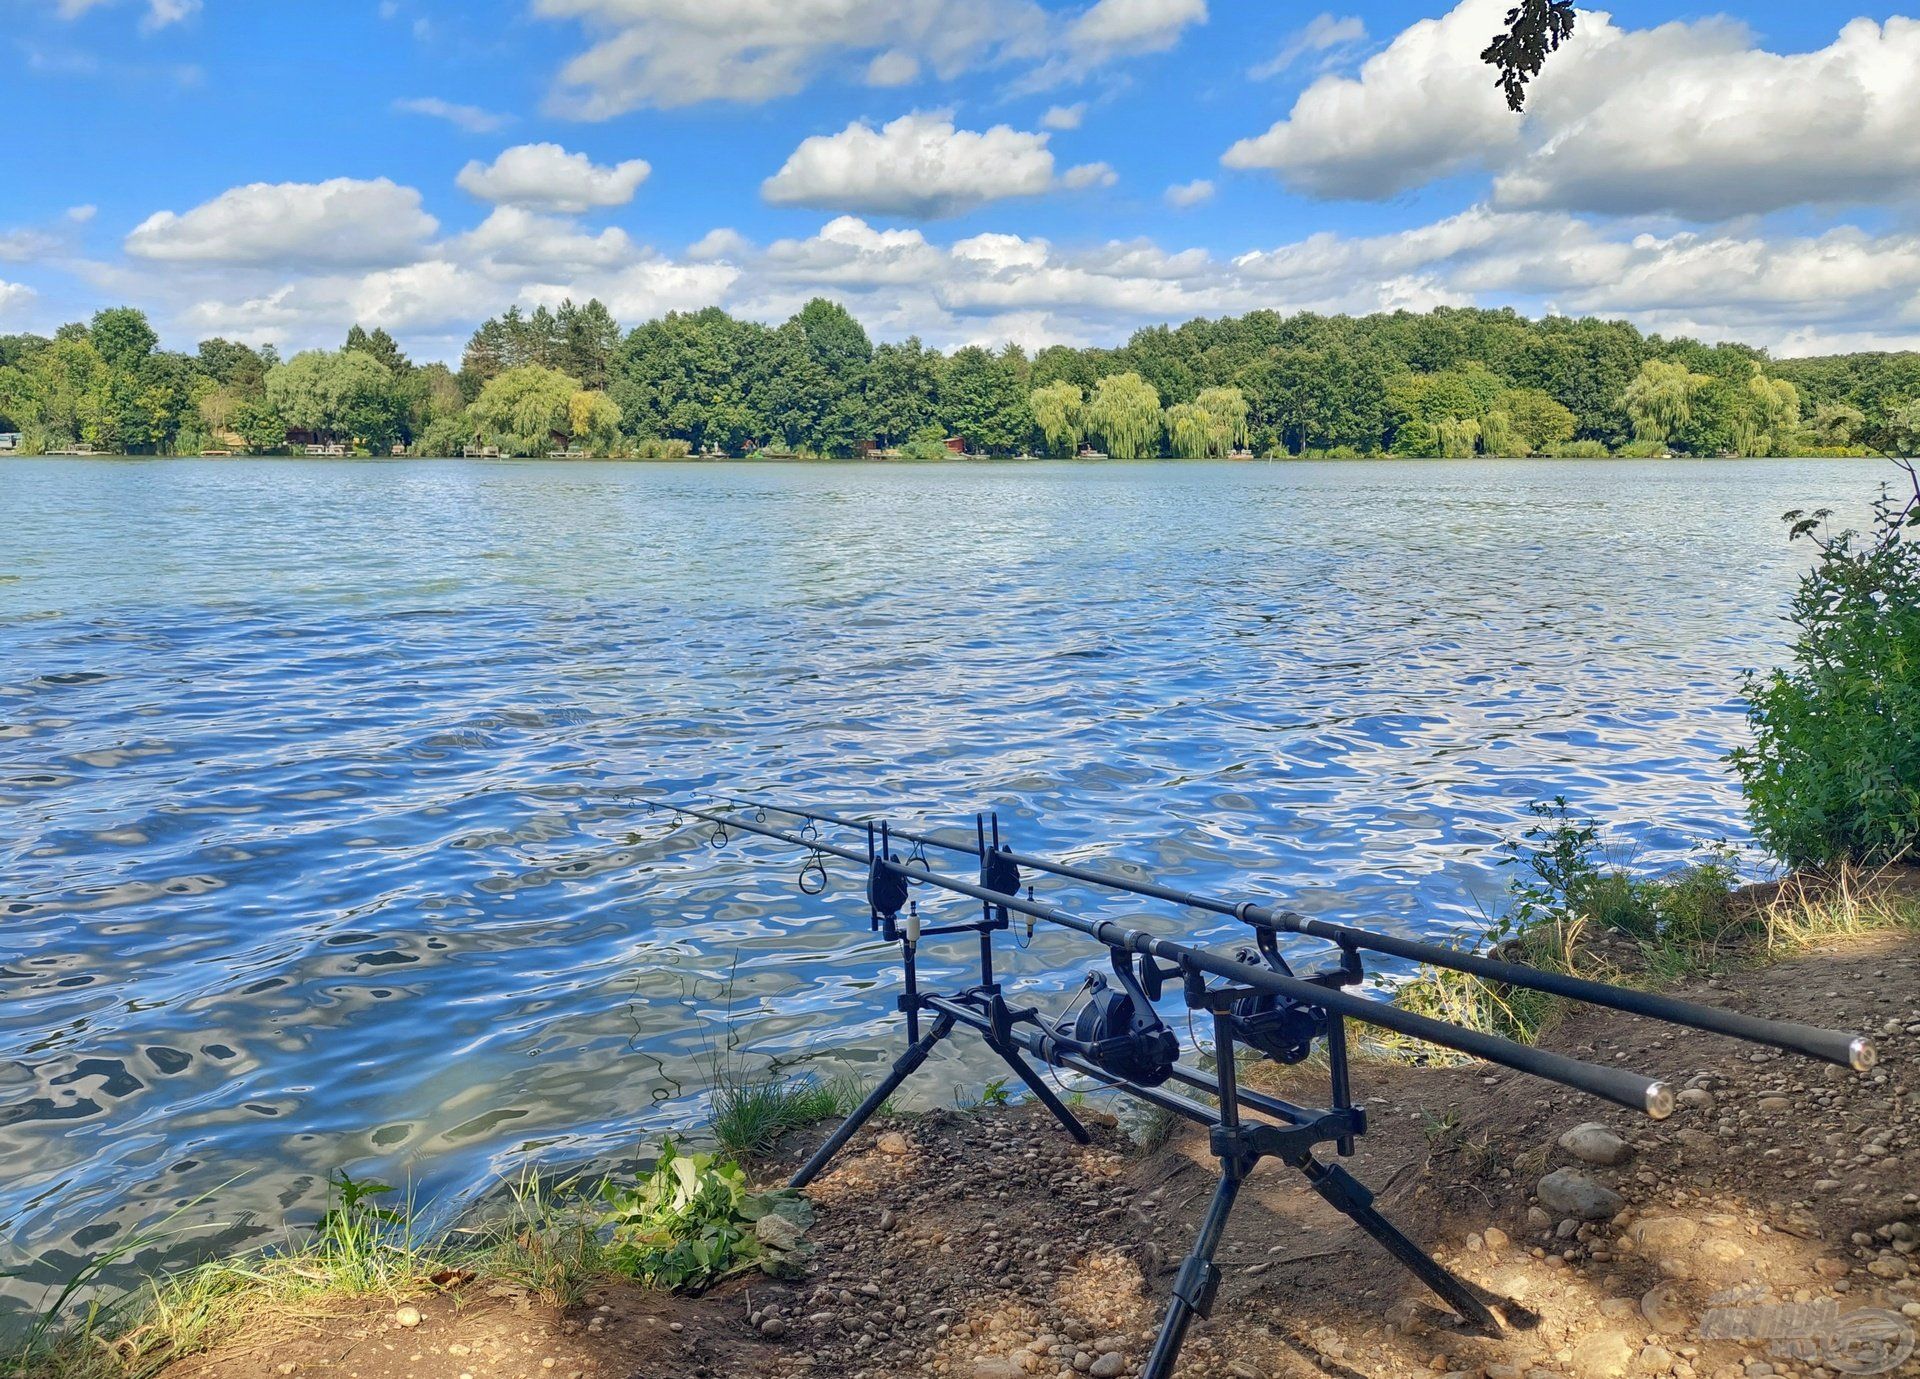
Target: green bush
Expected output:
[1580,450]
[1833,772]
[692,1222]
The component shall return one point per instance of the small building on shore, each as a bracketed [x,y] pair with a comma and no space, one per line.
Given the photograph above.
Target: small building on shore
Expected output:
[9,442]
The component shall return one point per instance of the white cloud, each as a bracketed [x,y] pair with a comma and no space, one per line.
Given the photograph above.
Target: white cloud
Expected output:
[892,68]
[1134,26]
[1423,108]
[471,118]
[516,238]
[1695,121]
[27,245]
[83,214]
[1184,194]
[675,52]
[1322,34]
[1064,116]
[13,296]
[1086,175]
[668,53]
[547,177]
[342,222]
[720,243]
[1690,119]
[918,165]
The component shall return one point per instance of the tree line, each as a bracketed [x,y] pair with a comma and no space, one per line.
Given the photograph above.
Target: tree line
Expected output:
[1453,382]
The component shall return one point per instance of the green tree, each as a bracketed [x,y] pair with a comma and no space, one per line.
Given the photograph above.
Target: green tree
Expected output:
[589,338]
[345,397]
[1538,421]
[526,409]
[983,400]
[593,419]
[1125,414]
[903,387]
[1660,400]
[122,337]
[1059,411]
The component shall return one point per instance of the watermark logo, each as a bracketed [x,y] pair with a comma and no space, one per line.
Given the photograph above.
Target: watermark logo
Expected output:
[1868,1340]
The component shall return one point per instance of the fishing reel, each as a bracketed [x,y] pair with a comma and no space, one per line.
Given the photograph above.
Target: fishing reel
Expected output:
[1117,1029]
[1278,1026]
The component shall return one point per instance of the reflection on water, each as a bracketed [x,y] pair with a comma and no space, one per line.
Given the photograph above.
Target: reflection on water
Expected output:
[315,777]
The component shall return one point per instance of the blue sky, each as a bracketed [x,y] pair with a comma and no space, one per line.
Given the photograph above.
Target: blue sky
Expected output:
[961,169]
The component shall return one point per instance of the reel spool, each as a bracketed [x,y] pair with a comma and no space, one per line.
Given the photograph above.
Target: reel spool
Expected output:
[1278,1026]
[1118,1031]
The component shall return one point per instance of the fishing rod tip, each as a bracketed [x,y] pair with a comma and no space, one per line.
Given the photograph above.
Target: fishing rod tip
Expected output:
[1659,1103]
[1861,1055]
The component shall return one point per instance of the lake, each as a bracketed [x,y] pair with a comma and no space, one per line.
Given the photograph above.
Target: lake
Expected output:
[318,778]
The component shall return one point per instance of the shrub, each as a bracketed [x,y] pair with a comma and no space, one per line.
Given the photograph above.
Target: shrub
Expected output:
[1833,772]
[1580,450]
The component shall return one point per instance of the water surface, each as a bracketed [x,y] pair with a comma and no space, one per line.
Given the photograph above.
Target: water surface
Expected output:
[316,778]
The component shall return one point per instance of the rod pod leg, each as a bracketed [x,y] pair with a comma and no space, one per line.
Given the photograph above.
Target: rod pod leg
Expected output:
[903,1068]
[1041,1091]
[1355,1200]
[1194,1285]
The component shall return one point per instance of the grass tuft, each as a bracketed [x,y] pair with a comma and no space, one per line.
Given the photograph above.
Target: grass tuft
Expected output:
[751,1114]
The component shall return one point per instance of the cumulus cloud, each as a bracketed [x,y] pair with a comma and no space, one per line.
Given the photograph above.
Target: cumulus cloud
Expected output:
[13,297]
[1695,121]
[547,177]
[1134,26]
[918,165]
[342,222]
[1184,194]
[472,118]
[1689,119]
[1322,34]
[1422,108]
[1085,175]
[1064,116]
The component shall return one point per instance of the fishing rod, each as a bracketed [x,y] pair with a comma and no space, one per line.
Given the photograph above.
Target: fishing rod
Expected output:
[1112,1033]
[1628,1089]
[1831,1046]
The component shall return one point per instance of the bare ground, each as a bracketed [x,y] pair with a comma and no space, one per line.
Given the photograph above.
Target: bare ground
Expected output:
[987,1246]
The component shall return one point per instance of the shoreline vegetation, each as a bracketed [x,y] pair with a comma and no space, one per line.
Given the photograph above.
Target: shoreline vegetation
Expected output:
[569,383]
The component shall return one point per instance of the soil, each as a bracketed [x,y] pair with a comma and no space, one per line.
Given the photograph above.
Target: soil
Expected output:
[989,1245]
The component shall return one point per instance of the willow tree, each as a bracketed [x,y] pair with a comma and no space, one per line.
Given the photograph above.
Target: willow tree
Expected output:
[1769,413]
[524,408]
[1659,401]
[1125,415]
[1226,408]
[1060,411]
[594,418]
[1499,437]
[1189,431]
[1458,437]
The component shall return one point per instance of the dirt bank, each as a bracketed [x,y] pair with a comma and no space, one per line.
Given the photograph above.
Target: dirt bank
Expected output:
[987,1246]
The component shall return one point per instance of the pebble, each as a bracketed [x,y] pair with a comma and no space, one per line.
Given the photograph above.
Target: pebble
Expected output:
[1108,1366]
[893,1143]
[408,1317]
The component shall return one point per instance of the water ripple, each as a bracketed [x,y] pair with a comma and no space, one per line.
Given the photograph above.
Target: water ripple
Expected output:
[316,777]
